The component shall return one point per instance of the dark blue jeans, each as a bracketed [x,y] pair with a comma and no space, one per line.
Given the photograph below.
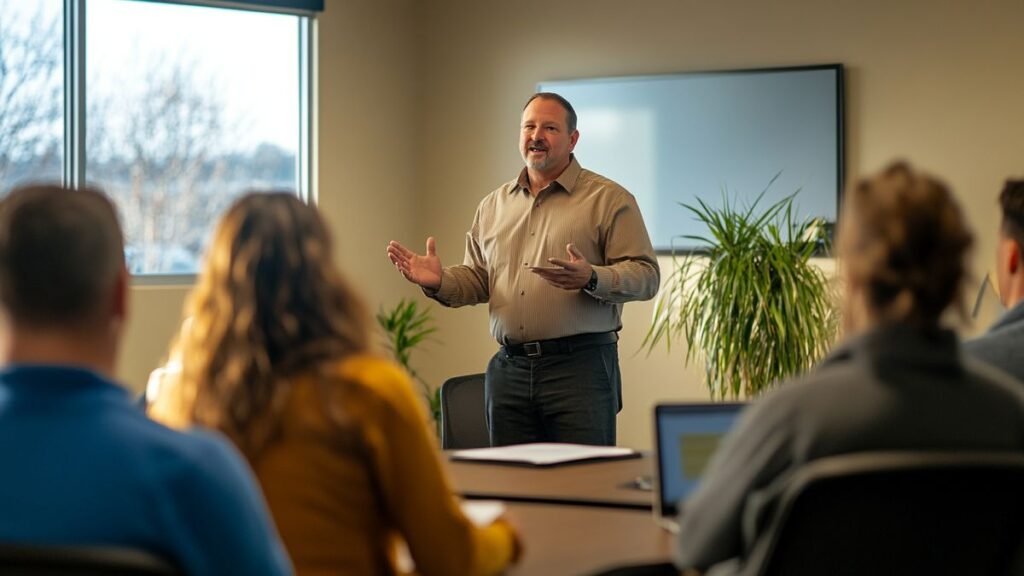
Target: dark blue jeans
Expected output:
[554,398]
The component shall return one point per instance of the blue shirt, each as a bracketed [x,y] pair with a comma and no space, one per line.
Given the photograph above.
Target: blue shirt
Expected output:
[1001,346]
[82,465]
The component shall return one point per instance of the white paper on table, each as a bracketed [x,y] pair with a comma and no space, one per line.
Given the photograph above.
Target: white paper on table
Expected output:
[543,453]
[483,512]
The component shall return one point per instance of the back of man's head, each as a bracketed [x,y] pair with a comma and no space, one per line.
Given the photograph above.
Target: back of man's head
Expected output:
[61,255]
[1011,200]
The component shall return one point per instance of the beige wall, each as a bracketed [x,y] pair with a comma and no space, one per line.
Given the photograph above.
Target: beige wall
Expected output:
[938,82]
[419,107]
[369,118]
[153,315]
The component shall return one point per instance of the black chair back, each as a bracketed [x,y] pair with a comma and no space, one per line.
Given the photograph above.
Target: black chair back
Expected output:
[40,560]
[464,413]
[898,514]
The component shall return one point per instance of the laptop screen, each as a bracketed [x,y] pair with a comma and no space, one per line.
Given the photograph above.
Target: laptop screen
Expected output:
[686,436]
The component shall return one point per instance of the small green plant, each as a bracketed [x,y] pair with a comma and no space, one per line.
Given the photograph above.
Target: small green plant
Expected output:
[749,302]
[406,327]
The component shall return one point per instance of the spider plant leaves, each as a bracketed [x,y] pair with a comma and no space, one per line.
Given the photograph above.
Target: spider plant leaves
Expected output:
[752,306]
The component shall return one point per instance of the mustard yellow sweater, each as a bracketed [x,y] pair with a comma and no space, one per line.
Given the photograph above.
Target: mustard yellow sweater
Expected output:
[342,499]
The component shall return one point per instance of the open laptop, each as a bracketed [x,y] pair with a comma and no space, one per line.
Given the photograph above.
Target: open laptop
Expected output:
[685,437]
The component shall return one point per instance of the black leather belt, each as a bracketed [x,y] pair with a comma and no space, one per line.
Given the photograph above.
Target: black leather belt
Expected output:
[564,345]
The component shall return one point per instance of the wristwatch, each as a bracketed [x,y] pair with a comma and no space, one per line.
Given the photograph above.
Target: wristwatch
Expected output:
[592,285]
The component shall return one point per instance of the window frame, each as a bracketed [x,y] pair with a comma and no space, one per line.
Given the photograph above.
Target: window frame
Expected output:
[74,89]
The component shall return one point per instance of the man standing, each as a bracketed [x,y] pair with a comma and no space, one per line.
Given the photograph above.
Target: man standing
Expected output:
[556,377]
[1003,345]
[82,464]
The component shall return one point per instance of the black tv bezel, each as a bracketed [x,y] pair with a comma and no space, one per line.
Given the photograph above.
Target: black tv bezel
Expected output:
[837,67]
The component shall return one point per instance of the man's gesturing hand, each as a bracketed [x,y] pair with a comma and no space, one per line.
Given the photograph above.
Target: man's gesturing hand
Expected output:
[571,274]
[422,270]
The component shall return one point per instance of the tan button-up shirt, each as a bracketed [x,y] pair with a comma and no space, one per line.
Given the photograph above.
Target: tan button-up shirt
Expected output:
[513,231]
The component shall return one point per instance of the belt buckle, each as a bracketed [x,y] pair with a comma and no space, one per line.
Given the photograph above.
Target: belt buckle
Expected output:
[532,349]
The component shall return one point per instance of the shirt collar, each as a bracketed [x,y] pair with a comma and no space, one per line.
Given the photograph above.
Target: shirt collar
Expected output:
[1011,316]
[901,345]
[52,380]
[567,179]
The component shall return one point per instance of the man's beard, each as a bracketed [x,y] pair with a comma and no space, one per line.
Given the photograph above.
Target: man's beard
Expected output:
[539,164]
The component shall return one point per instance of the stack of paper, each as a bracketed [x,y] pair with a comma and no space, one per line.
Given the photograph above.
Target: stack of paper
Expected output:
[544,454]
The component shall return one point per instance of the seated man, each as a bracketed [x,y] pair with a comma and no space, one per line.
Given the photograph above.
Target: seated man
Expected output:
[1003,345]
[82,464]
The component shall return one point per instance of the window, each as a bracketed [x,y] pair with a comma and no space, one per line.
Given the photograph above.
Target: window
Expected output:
[173,109]
[31,113]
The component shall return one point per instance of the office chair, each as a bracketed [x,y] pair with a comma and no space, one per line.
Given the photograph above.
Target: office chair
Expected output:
[42,560]
[898,514]
[464,413]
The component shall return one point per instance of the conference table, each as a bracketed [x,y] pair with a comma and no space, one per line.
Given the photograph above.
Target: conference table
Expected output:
[566,540]
[610,484]
[575,519]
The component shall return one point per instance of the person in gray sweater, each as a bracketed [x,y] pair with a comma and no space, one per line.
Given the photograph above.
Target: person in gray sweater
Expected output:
[1003,345]
[899,381]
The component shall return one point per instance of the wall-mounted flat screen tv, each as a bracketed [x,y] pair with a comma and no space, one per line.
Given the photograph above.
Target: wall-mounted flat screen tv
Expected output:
[673,138]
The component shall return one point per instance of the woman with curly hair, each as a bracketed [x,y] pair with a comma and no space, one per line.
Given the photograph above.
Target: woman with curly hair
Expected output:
[275,354]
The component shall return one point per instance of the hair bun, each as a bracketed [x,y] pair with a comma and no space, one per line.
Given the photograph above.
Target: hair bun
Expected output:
[906,240]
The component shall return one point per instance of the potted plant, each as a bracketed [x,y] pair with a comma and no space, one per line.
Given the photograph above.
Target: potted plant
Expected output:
[749,301]
[406,326]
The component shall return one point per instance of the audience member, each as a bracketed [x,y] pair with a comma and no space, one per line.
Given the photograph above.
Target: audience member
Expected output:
[1003,345]
[276,356]
[897,383]
[82,464]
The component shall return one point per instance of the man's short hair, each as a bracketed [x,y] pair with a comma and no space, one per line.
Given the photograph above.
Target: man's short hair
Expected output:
[1012,202]
[570,112]
[61,251]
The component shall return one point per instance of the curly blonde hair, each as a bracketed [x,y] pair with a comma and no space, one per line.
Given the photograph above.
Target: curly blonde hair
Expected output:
[269,304]
[904,239]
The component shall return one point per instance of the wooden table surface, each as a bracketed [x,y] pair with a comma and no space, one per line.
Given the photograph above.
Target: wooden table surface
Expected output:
[580,540]
[597,483]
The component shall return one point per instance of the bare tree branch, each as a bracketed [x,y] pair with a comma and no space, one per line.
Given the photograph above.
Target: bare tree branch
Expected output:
[30,91]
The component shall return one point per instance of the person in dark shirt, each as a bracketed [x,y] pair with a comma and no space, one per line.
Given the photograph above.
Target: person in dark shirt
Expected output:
[898,382]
